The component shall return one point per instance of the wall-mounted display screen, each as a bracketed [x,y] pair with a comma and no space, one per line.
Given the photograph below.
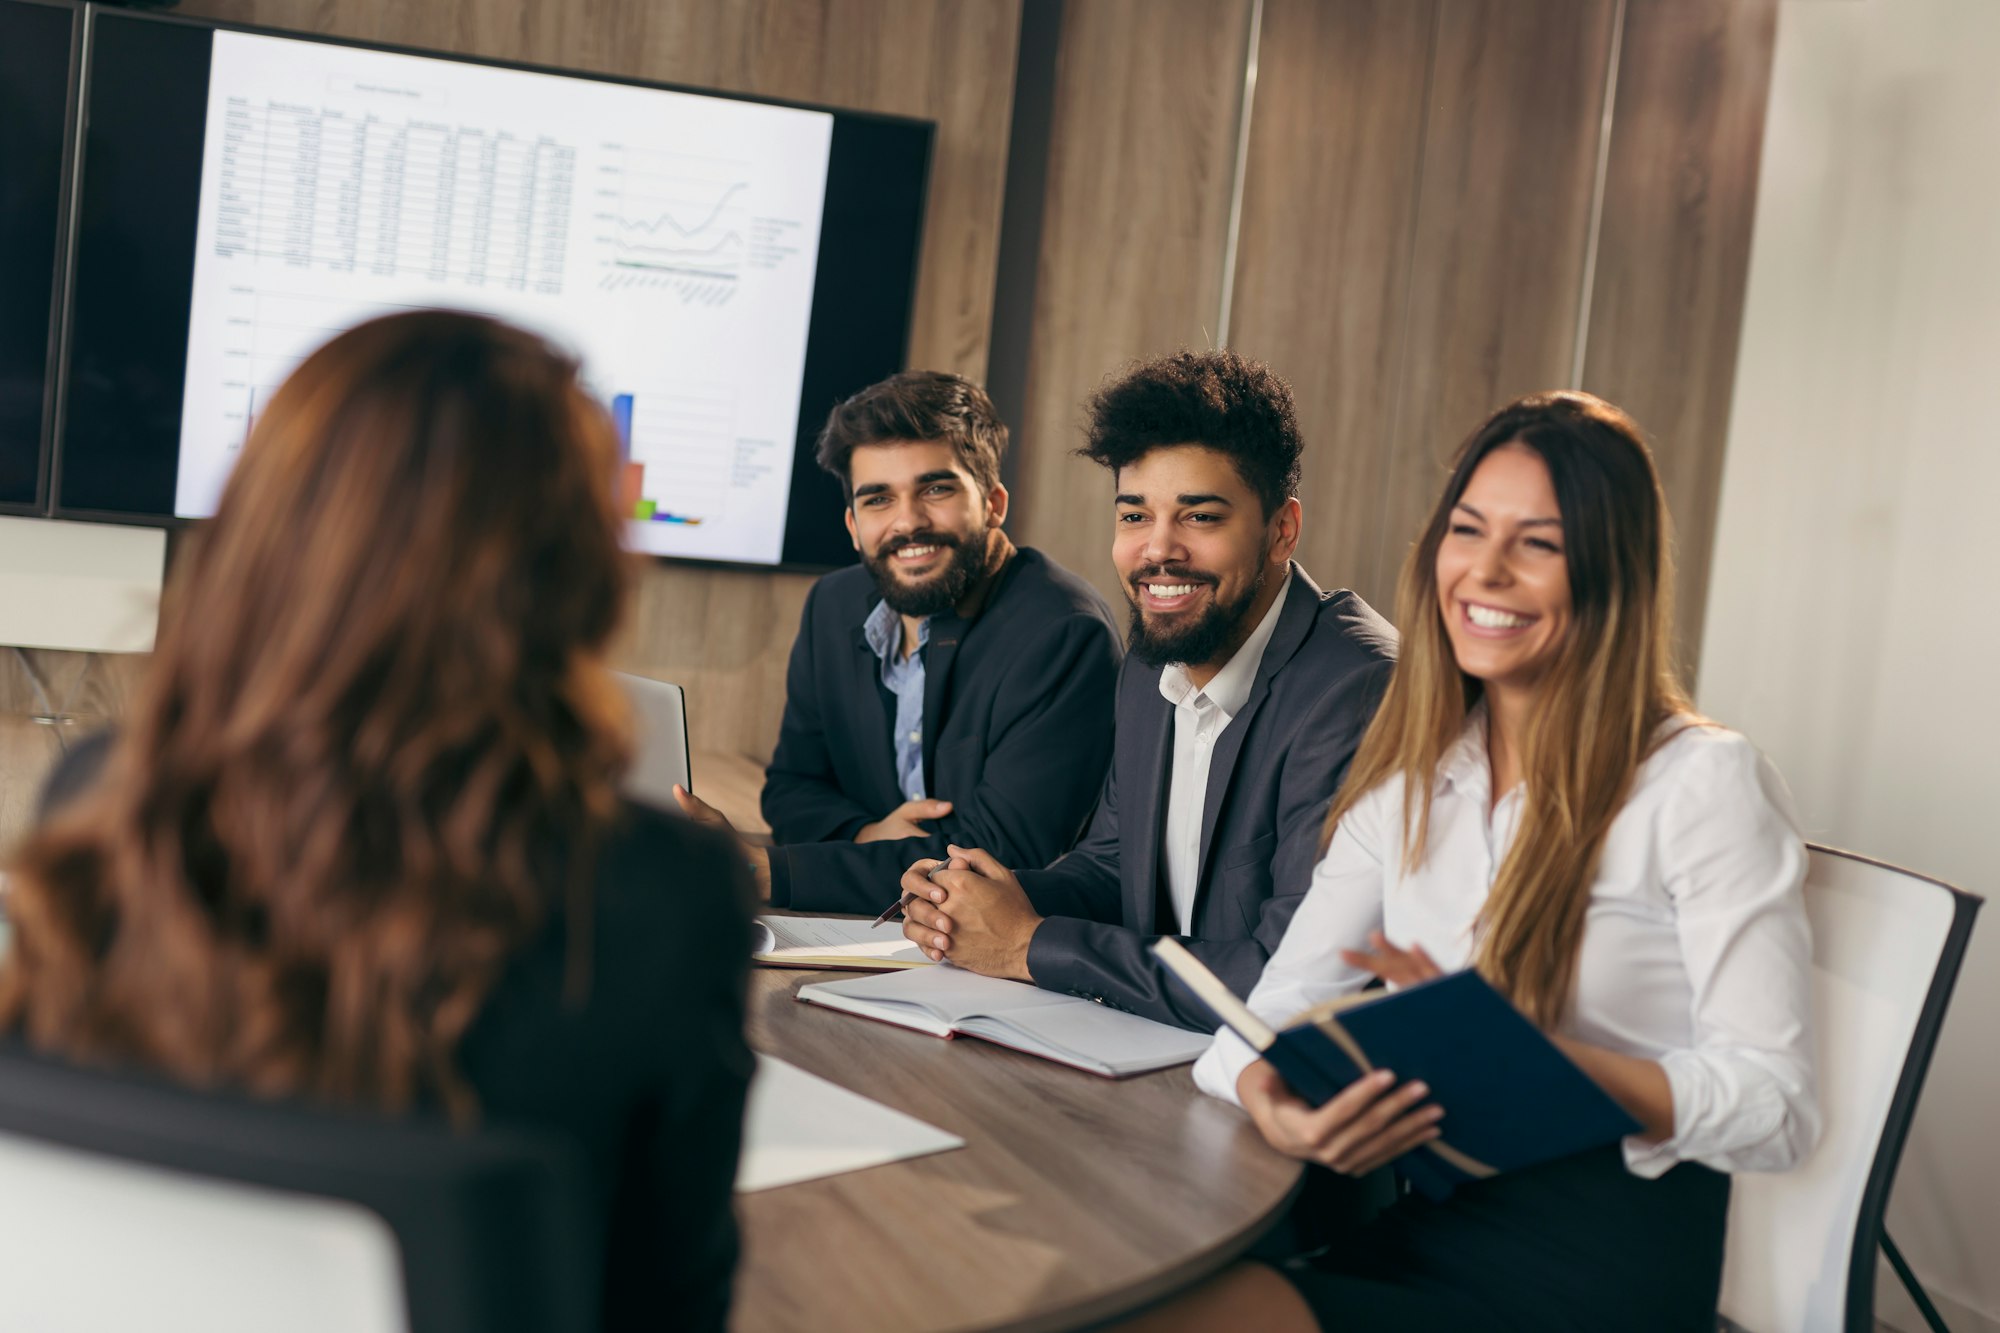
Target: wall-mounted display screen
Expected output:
[725,269]
[35,47]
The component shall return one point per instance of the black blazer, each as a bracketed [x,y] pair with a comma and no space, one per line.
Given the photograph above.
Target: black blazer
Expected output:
[1017,734]
[648,1075]
[1274,772]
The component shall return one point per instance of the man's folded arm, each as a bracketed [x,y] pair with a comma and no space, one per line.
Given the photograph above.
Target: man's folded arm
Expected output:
[1053,735]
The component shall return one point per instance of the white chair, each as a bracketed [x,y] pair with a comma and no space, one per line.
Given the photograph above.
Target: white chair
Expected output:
[659,712]
[127,1203]
[1887,945]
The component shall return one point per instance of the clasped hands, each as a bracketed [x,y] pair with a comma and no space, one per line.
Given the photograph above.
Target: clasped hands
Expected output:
[971,909]
[1371,1121]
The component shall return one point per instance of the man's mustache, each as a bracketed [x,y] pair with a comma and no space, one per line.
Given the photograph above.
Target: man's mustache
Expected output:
[1179,573]
[895,544]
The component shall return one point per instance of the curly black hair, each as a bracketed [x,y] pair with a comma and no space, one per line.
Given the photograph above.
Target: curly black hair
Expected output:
[1220,400]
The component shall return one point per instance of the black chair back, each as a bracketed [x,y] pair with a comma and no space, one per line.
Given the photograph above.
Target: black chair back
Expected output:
[494,1229]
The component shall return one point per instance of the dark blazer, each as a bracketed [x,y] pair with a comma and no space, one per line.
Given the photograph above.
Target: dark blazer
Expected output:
[1017,734]
[648,1075]
[1274,772]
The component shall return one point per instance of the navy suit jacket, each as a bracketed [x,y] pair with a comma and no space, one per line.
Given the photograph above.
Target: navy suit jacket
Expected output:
[1274,772]
[1016,734]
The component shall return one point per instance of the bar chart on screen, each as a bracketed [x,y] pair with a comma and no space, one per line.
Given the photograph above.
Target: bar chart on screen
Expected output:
[675,259]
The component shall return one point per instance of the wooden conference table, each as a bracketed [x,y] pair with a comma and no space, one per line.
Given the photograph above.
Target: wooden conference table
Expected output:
[1075,1198]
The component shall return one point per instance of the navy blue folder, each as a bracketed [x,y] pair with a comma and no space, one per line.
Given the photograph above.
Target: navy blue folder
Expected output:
[1510,1098]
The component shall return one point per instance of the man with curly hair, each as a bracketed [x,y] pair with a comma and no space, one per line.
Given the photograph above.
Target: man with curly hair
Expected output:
[1244,693]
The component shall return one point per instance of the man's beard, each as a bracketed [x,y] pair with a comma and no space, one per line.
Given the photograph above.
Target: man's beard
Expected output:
[1198,642]
[964,563]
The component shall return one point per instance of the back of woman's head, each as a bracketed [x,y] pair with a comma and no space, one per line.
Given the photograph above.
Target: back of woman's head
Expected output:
[376,713]
[1598,708]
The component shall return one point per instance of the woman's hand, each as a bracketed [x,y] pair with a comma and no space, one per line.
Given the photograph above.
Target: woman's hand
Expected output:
[1398,967]
[1368,1123]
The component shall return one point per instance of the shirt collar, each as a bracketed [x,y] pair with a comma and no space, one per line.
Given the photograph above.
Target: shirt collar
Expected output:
[1229,688]
[1466,766]
[884,631]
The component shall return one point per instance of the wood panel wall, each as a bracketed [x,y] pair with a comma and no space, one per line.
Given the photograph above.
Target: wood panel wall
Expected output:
[1416,242]
[1419,181]
[1679,191]
[1503,220]
[1141,164]
[1324,259]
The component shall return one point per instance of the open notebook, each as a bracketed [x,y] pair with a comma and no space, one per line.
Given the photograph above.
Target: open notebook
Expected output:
[798,1126]
[947,1001]
[831,941]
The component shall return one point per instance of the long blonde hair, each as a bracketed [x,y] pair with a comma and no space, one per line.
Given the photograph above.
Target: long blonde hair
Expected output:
[1611,686]
[377,713]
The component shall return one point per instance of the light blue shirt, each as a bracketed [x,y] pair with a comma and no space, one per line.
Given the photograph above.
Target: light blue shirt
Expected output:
[904,677]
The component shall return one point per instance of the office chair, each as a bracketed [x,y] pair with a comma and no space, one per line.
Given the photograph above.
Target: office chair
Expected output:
[1887,945]
[659,711]
[129,1203]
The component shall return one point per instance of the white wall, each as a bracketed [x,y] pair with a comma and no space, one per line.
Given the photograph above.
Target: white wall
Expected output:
[1854,614]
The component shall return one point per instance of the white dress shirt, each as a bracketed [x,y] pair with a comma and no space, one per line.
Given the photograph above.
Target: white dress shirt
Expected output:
[1200,715]
[1695,950]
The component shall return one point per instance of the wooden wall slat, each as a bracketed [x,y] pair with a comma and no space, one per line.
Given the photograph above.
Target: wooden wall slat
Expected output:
[1509,162]
[1415,216]
[1674,251]
[1140,171]
[725,635]
[1324,250]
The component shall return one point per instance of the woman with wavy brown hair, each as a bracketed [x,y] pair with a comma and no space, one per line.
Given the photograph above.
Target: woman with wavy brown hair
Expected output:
[1537,799]
[360,841]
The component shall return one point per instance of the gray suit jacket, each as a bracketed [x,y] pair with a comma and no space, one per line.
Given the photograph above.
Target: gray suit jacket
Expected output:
[1275,770]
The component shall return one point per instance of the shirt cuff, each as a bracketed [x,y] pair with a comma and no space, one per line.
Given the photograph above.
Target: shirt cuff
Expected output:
[1719,1122]
[781,876]
[1222,1064]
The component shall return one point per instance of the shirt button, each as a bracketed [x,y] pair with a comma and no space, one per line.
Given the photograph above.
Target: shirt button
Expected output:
[916,735]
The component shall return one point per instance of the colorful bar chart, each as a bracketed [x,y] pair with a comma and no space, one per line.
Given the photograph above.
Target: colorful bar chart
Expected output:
[632,499]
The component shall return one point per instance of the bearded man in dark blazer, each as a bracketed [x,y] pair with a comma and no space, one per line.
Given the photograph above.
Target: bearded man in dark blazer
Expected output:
[951,687]
[1244,693]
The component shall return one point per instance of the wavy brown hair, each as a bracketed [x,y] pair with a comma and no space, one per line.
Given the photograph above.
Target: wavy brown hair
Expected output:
[1611,686]
[376,723]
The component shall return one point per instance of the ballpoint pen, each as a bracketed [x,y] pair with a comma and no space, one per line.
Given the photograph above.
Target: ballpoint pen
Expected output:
[903,899]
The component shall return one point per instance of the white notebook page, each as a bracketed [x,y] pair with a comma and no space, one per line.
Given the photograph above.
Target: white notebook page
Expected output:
[836,937]
[798,1126]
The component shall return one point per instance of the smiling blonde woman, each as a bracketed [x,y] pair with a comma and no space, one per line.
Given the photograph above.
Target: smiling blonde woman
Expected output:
[1538,800]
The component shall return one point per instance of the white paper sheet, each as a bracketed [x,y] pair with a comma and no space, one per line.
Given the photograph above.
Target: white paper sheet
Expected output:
[799,1126]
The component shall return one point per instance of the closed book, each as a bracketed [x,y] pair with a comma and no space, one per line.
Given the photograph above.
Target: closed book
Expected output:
[1510,1098]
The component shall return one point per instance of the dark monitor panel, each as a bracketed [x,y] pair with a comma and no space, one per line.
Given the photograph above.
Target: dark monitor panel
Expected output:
[35,59]
[726,269]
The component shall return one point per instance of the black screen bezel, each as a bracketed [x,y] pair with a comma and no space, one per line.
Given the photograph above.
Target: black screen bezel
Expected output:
[836,363]
[55,306]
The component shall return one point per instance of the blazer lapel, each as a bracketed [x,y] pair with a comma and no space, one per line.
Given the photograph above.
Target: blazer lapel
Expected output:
[1302,601]
[947,632]
[1146,746]
[870,724]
